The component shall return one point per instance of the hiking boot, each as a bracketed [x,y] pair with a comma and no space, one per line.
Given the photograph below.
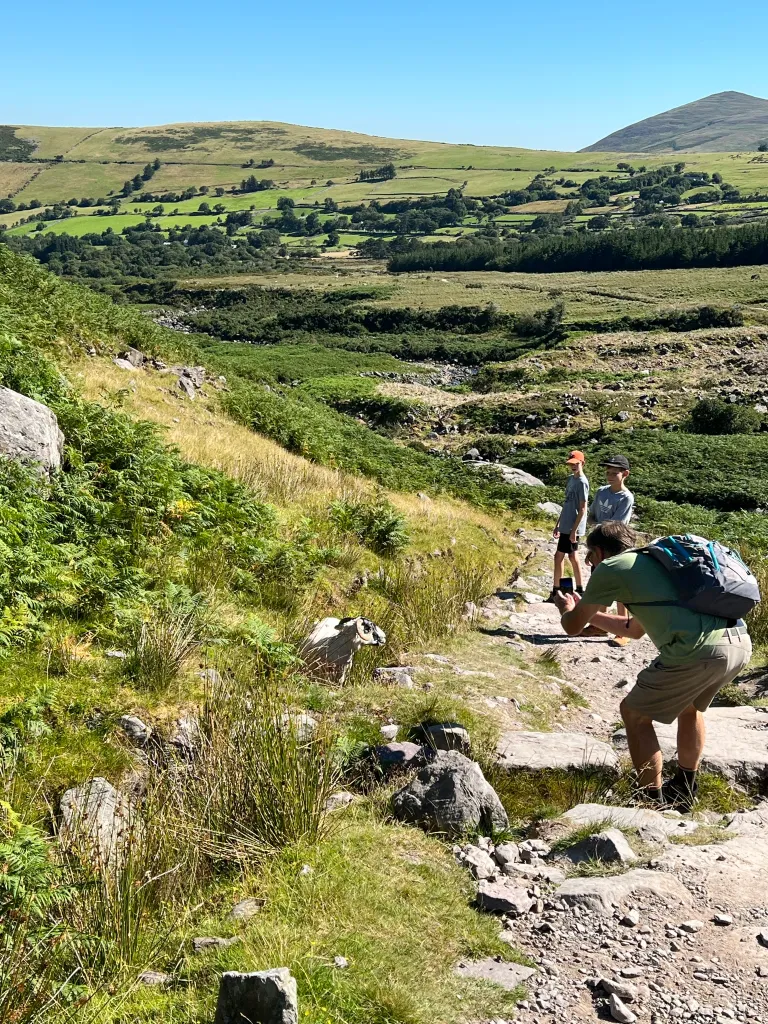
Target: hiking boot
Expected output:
[551,598]
[679,795]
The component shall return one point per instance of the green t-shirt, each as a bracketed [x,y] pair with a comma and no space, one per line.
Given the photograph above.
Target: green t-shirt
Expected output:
[680,635]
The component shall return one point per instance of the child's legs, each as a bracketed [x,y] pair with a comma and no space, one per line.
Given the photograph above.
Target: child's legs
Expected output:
[558,573]
[574,560]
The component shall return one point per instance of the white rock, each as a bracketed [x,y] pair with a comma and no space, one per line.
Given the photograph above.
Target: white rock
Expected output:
[480,864]
[620,1012]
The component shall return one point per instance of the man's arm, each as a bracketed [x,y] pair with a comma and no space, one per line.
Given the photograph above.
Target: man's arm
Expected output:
[577,614]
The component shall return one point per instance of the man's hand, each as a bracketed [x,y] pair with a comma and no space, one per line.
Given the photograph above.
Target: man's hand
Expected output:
[574,537]
[566,602]
[556,533]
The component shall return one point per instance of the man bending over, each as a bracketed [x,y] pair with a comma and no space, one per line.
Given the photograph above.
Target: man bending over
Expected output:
[698,654]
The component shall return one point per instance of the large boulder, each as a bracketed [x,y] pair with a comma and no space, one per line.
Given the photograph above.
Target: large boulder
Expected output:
[736,747]
[451,795]
[264,997]
[98,820]
[509,474]
[29,431]
[536,751]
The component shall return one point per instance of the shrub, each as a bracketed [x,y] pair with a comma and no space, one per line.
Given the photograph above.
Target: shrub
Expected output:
[714,416]
[376,524]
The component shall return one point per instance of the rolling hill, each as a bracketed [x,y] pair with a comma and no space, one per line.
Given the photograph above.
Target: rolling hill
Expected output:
[721,123]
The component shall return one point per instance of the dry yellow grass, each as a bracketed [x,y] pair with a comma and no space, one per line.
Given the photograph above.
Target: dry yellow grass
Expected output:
[205,435]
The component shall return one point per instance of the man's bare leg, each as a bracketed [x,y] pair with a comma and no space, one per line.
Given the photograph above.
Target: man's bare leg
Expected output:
[644,747]
[691,734]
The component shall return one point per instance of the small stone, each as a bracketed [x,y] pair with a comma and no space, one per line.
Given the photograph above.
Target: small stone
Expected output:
[762,938]
[633,971]
[389,732]
[246,909]
[620,1012]
[394,677]
[341,962]
[692,926]
[337,801]
[480,864]
[154,978]
[623,989]
[506,853]
[307,869]
[631,918]
[723,919]
[530,848]
[207,942]
[503,898]
[762,971]
[608,846]
[118,655]
[138,732]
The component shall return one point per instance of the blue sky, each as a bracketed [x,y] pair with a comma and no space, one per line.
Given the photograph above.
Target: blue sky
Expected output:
[548,75]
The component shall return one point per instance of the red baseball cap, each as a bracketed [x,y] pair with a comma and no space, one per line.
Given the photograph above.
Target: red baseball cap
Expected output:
[575,457]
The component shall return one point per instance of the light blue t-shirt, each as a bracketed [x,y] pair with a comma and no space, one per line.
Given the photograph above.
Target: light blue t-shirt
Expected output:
[576,494]
[612,506]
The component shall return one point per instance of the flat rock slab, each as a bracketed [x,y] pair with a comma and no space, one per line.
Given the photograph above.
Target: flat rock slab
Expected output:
[648,823]
[568,751]
[602,894]
[509,976]
[736,747]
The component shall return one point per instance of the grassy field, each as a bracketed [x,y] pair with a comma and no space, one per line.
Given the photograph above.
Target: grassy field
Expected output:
[599,296]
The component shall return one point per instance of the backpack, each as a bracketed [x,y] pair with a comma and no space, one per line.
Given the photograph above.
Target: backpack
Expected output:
[709,577]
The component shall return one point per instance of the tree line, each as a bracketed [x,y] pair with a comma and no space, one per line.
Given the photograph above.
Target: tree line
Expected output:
[641,248]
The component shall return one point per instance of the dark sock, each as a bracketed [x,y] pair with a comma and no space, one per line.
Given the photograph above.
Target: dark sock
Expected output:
[579,590]
[685,778]
[652,793]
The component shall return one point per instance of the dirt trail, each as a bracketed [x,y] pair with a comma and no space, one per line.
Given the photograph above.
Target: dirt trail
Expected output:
[678,934]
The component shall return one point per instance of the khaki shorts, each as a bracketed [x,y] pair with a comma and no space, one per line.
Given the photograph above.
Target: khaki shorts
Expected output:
[662,692]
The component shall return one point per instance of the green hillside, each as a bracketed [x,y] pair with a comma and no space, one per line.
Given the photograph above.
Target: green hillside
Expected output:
[725,121]
[56,164]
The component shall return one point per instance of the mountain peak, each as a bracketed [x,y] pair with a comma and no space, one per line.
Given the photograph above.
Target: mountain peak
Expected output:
[723,122]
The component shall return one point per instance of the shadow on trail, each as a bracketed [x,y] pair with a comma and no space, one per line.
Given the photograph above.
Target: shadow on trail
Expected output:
[539,639]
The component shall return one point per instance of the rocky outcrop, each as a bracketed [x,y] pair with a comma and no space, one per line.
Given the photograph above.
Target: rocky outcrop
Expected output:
[29,432]
[535,751]
[451,795]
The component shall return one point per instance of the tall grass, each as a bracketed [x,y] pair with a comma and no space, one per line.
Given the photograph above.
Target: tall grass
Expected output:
[425,599]
[164,640]
[256,784]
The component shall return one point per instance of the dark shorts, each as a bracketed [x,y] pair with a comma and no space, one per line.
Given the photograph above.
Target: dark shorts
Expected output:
[564,544]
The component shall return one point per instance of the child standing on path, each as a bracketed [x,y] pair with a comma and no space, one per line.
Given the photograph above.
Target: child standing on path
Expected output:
[571,523]
[613,504]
